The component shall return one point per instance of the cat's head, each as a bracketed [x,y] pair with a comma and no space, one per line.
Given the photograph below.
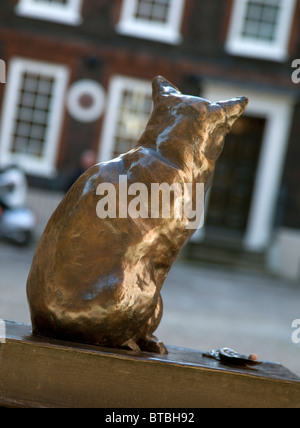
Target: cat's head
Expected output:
[199,120]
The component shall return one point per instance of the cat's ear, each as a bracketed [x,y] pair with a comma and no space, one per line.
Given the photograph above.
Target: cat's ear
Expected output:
[161,88]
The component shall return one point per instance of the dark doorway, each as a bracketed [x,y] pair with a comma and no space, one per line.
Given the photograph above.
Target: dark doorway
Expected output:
[232,189]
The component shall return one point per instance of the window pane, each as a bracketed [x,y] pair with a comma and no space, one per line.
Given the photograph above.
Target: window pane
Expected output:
[153,10]
[262,19]
[133,114]
[32,114]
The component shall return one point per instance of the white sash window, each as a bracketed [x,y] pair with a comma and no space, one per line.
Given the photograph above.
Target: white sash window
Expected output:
[62,11]
[261,28]
[158,20]
[32,115]
[128,111]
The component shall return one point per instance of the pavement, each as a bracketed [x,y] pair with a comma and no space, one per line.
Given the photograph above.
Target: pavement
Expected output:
[205,307]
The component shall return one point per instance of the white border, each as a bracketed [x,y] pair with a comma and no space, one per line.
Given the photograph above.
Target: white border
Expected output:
[278,111]
[95,91]
[277,50]
[62,13]
[166,33]
[44,166]
[116,87]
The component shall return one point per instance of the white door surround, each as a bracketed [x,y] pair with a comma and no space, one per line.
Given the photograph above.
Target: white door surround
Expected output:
[277,110]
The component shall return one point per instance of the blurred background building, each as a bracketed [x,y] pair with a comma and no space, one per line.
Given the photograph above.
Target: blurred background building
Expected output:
[78,79]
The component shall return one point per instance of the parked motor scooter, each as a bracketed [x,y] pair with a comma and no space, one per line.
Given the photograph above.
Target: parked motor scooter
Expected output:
[17,222]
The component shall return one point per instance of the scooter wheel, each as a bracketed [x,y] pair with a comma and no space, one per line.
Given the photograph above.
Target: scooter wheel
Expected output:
[23,238]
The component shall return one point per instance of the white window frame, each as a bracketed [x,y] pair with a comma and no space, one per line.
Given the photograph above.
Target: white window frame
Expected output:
[277,50]
[278,112]
[116,87]
[61,13]
[168,32]
[44,166]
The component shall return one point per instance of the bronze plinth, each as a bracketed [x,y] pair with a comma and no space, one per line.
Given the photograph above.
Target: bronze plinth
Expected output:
[98,280]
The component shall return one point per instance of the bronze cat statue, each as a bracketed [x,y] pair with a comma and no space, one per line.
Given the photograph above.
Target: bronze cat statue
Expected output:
[97,280]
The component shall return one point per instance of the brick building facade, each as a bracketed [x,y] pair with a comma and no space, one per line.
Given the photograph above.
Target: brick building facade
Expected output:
[79,77]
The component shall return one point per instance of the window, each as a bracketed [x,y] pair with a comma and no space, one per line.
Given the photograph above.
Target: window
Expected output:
[128,112]
[261,28]
[32,115]
[62,11]
[158,20]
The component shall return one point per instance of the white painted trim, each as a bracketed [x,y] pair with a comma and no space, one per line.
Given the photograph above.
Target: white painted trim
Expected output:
[117,85]
[44,166]
[166,33]
[278,110]
[277,50]
[62,13]
[92,89]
